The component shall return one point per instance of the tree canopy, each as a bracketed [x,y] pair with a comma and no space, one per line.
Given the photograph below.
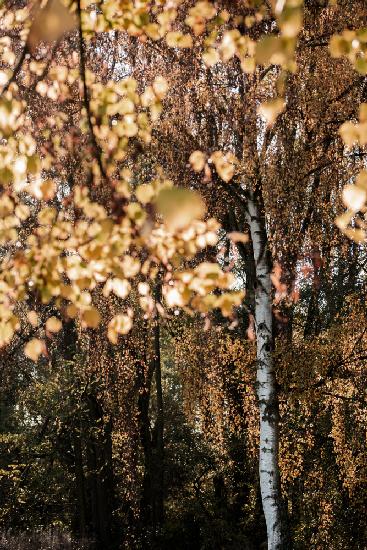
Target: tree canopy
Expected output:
[183,198]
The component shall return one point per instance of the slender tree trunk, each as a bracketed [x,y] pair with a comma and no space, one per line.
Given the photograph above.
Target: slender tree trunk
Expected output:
[145,381]
[79,482]
[159,424]
[266,384]
[100,473]
[152,501]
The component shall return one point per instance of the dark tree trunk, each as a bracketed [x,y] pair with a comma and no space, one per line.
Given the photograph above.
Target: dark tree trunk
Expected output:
[100,473]
[81,512]
[159,425]
[146,503]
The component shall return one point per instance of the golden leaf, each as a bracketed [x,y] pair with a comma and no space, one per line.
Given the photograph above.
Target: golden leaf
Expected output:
[53,324]
[227,301]
[172,296]
[46,216]
[130,266]
[179,207]
[33,318]
[48,189]
[197,160]
[238,237]
[22,211]
[176,39]
[248,65]
[120,324]
[51,23]
[343,220]
[143,289]
[363,112]
[71,311]
[354,197]
[91,317]
[349,133]
[266,48]
[120,287]
[225,164]
[34,348]
[271,109]
[144,193]
[211,57]
[160,87]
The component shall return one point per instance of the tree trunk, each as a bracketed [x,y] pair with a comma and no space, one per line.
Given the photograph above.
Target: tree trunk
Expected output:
[145,381]
[159,423]
[100,474]
[266,384]
[79,482]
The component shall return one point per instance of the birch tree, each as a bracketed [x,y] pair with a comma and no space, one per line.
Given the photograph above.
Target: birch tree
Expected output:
[266,383]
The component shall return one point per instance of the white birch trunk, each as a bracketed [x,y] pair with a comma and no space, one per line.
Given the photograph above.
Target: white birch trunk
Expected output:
[266,385]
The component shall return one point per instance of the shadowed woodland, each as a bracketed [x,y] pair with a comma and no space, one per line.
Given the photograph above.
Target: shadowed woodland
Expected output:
[183,338]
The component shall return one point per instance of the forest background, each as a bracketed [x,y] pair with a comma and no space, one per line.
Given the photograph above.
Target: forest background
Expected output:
[182,283]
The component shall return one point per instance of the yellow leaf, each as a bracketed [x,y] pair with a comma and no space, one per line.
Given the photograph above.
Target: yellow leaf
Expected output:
[248,65]
[338,46]
[204,9]
[47,216]
[91,317]
[290,21]
[176,39]
[34,348]
[7,332]
[343,220]
[130,266]
[362,133]
[143,289]
[211,57]
[126,106]
[120,287]
[363,112]
[197,160]
[228,46]
[227,301]
[144,193]
[51,23]
[266,48]
[33,318]
[22,211]
[71,311]
[42,88]
[53,324]
[136,213]
[160,87]
[354,197]
[172,296]
[238,237]
[179,207]
[349,133]
[271,109]
[48,189]
[120,324]
[225,164]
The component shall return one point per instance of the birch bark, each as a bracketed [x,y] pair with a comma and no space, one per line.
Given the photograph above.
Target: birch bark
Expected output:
[266,384]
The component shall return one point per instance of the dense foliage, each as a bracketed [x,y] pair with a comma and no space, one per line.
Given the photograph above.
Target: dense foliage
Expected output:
[183,342]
